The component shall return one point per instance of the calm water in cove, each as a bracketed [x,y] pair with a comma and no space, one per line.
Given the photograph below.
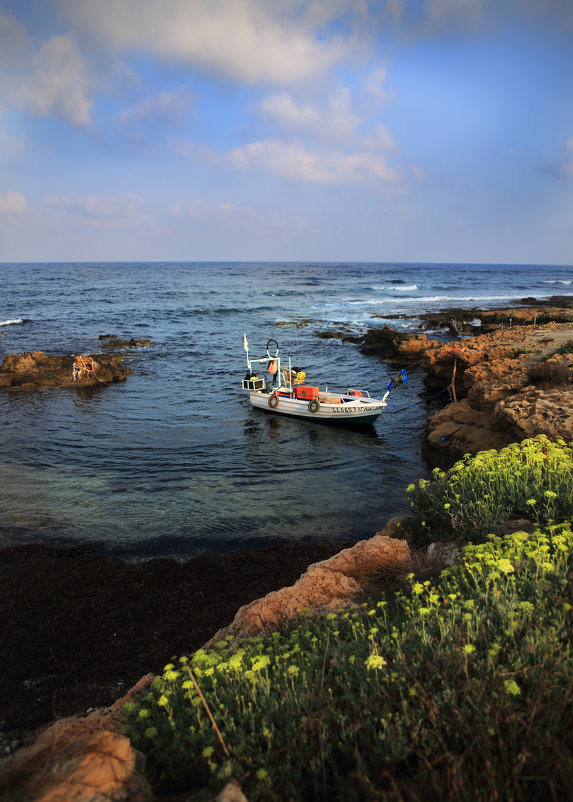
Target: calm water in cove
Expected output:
[174,461]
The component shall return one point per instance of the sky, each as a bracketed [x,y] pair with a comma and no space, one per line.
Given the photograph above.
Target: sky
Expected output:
[324,130]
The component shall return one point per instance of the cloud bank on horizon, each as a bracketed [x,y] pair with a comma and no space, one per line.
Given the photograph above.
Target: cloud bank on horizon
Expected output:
[365,130]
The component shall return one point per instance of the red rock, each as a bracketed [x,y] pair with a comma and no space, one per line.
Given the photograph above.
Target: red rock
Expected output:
[327,585]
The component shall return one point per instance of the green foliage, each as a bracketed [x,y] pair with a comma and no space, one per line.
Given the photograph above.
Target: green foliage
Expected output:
[458,689]
[532,479]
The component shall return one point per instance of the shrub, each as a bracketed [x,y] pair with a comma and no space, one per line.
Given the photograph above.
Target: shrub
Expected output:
[533,479]
[549,374]
[459,689]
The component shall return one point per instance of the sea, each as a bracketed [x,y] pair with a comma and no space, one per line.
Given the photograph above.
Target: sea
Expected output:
[174,462]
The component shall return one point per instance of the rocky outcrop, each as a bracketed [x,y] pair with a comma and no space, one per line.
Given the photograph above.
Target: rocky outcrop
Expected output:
[38,370]
[461,320]
[112,341]
[506,386]
[79,759]
[327,585]
[390,344]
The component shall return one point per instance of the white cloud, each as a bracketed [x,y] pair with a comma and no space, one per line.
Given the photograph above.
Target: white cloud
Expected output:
[374,84]
[336,119]
[13,203]
[98,211]
[295,162]
[58,82]
[379,140]
[247,40]
[164,108]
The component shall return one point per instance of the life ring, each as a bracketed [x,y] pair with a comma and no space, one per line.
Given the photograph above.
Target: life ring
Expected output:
[276,353]
[314,405]
[273,401]
[357,393]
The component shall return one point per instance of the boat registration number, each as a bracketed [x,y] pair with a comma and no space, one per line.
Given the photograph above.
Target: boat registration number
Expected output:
[346,408]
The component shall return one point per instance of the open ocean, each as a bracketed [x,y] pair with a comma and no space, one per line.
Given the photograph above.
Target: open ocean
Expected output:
[174,462]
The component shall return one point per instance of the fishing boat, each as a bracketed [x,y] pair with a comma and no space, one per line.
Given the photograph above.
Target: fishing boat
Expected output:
[281,388]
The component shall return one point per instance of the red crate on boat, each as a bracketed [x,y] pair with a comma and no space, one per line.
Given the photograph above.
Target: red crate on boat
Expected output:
[306,392]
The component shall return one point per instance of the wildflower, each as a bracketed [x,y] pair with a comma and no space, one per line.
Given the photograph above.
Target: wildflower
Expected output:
[163,701]
[410,488]
[418,588]
[171,675]
[531,502]
[187,684]
[169,667]
[504,566]
[236,660]
[375,661]
[512,687]
[331,617]
[294,671]
[447,505]
[424,611]
[371,612]
[261,662]
[566,606]
[144,713]
[151,732]
[526,606]
[469,648]
[262,774]
[208,751]
[550,494]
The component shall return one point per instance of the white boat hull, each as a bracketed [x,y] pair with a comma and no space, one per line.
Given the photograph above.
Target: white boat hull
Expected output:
[350,409]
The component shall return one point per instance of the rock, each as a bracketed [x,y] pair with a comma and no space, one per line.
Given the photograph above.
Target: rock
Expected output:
[327,585]
[390,344]
[442,554]
[33,371]
[114,342]
[231,793]
[496,401]
[79,759]
[91,767]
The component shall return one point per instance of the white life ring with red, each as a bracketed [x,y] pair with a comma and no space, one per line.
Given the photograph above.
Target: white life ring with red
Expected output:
[273,401]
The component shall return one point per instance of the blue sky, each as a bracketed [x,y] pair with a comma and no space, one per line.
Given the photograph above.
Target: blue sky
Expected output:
[397,130]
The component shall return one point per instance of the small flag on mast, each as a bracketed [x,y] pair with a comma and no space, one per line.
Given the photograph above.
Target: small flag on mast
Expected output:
[245,343]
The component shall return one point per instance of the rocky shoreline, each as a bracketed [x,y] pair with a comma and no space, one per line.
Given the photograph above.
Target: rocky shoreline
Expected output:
[81,628]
